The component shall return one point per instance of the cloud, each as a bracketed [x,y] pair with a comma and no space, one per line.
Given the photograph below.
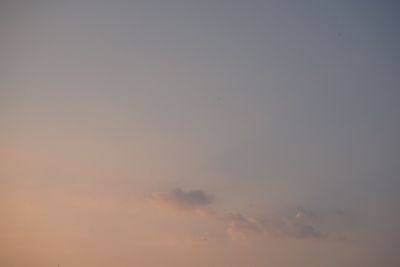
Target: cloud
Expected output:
[300,230]
[181,199]
[272,226]
[297,223]
[242,227]
[305,214]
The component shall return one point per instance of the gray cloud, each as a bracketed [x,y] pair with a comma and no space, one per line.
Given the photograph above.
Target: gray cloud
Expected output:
[190,200]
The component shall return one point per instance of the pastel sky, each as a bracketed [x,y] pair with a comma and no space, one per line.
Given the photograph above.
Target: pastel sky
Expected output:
[199,133]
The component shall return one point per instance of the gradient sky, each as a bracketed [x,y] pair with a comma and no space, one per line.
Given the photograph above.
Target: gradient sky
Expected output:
[199,133]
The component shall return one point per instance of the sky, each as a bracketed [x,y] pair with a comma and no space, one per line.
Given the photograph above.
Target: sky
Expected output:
[199,133]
